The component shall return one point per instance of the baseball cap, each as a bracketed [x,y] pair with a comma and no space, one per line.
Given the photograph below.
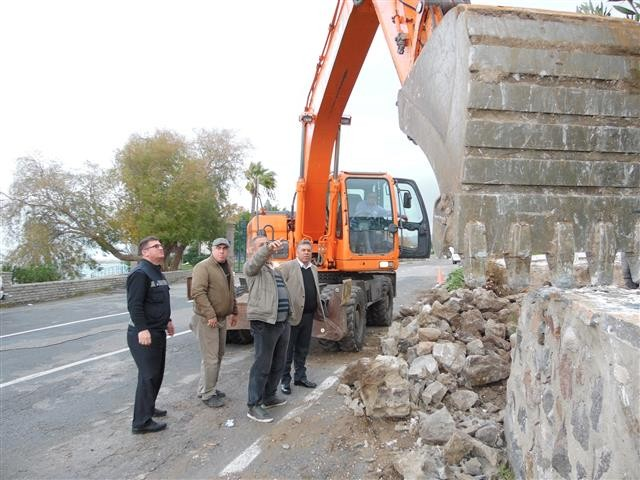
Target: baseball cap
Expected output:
[221,241]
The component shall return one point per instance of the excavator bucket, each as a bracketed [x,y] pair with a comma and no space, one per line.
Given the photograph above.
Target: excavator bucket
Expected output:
[531,122]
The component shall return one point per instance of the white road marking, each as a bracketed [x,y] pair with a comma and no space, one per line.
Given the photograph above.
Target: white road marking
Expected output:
[71,365]
[243,460]
[63,324]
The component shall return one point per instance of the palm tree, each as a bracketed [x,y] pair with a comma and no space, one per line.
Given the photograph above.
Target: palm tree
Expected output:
[259,176]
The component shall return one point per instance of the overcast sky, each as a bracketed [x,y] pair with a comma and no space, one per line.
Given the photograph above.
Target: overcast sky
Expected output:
[79,77]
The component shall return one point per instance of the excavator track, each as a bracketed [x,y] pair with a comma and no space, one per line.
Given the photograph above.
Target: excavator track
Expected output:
[531,122]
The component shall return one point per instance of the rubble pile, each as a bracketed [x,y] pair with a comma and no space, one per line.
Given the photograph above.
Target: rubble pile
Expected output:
[442,374]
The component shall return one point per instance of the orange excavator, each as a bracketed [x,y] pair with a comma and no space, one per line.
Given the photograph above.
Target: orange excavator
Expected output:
[529,119]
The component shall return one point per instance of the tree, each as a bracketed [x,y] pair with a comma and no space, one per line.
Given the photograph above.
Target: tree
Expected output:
[56,214]
[223,155]
[160,185]
[631,11]
[42,245]
[589,8]
[168,193]
[259,176]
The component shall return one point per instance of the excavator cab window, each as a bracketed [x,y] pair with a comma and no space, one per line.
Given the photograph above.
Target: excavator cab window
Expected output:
[415,237]
[370,214]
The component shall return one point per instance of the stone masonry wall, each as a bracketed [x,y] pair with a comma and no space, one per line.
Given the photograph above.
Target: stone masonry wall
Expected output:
[22,293]
[573,397]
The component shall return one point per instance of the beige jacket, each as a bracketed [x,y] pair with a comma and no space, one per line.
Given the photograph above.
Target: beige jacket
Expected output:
[295,284]
[213,293]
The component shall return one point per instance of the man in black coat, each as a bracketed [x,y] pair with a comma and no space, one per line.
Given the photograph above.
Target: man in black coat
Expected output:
[150,311]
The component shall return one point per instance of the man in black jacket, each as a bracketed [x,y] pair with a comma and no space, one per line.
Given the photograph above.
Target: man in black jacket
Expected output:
[150,312]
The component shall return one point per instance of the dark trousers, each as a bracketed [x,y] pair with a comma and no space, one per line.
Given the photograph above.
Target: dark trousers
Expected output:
[150,362]
[270,345]
[298,349]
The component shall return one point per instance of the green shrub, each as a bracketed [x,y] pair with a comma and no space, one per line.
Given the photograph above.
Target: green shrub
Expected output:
[36,274]
[455,279]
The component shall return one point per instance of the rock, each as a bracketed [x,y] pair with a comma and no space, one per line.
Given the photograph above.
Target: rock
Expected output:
[457,447]
[384,390]
[464,294]
[472,467]
[409,464]
[438,427]
[411,354]
[492,455]
[433,393]
[424,348]
[405,343]
[485,369]
[451,356]
[389,346]
[355,405]
[429,334]
[409,330]
[498,330]
[488,434]
[471,322]
[394,330]
[447,311]
[408,311]
[344,389]
[487,300]
[355,370]
[463,400]
[475,347]
[448,381]
[424,367]
[421,463]
[495,344]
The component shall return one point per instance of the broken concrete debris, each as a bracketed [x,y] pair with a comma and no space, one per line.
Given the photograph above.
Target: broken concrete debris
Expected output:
[444,364]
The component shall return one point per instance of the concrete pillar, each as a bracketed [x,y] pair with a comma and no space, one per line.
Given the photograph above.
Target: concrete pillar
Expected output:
[560,255]
[517,258]
[475,254]
[601,253]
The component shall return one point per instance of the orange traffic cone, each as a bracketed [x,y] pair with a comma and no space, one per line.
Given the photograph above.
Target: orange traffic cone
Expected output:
[440,277]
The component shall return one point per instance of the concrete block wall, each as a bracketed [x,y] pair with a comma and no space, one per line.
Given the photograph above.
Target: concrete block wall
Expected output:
[573,396]
[24,293]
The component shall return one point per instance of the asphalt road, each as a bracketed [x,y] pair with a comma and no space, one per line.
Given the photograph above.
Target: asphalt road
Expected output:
[66,396]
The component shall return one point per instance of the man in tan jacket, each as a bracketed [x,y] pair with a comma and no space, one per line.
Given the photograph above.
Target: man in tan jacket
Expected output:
[301,277]
[213,293]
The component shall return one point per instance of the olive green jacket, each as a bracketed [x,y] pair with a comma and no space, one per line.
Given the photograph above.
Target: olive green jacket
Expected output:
[213,292]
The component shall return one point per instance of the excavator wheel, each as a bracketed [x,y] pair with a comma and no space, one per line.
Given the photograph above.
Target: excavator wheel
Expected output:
[355,313]
[380,314]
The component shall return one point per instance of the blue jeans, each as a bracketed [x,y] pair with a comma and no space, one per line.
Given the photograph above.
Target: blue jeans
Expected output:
[270,345]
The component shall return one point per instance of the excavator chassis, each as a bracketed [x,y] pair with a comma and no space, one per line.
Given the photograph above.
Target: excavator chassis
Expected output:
[531,122]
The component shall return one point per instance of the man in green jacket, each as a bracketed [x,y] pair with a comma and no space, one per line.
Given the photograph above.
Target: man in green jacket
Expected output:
[213,293]
[268,312]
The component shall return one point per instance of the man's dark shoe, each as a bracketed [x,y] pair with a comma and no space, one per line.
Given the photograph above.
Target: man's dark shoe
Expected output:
[220,394]
[285,388]
[214,402]
[259,414]
[305,383]
[159,413]
[149,427]
[274,401]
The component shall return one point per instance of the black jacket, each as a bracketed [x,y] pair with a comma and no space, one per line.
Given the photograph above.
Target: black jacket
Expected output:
[148,297]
